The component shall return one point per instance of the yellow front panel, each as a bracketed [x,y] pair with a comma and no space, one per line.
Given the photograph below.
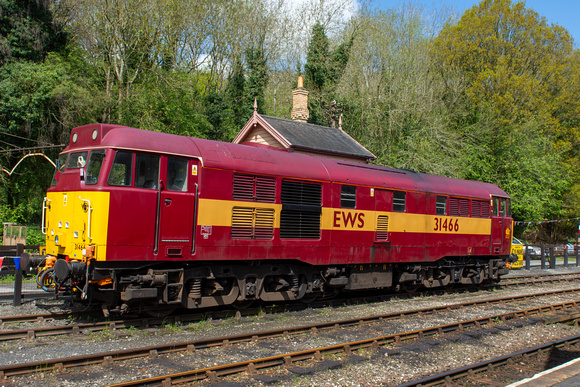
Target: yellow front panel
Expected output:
[75,220]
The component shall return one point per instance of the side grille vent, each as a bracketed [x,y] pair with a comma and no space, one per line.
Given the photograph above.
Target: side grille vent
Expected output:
[458,207]
[382,228]
[252,223]
[254,188]
[301,209]
[480,209]
[298,192]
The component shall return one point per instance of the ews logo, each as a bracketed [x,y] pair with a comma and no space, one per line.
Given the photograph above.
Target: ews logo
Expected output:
[348,219]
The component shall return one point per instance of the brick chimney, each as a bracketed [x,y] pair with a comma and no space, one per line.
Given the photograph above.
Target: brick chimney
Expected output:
[300,105]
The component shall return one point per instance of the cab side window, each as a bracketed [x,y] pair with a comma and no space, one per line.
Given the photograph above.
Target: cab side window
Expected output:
[508,208]
[121,170]
[146,171]
[348,196]
[94,166]
[441,205]
[176,174]
[496,206]
[399,199]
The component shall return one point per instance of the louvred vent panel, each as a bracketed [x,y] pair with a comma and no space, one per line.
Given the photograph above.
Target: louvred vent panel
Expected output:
[252,223]
[252,188]
[382,228]
[301,210]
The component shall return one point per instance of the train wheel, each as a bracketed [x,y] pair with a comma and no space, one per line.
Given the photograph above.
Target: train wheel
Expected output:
[159,312]
[241,305]
[309,298]
[409,288]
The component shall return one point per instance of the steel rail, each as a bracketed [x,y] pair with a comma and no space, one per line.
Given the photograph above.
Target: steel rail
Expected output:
[60,364]
[484,366]
[229,313]
[316,354]
[34,332]
[40,317]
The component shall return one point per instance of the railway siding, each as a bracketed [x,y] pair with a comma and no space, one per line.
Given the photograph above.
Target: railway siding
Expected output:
[155,362]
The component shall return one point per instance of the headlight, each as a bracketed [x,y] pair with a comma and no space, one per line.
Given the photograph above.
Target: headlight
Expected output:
[56,240]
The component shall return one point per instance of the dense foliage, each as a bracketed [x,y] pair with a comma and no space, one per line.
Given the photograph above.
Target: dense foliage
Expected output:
[490,95]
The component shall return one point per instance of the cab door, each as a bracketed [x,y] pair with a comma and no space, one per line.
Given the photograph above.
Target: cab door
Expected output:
[177,207]
[498,224]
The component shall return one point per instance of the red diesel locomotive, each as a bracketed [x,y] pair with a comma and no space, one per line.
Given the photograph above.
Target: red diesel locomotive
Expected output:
[146,221]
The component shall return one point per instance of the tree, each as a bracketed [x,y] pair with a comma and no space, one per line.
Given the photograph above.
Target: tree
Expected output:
[44,89]
[27,31]
[258,77]
[506,76]
[391,96]
[323,70]
[316,67]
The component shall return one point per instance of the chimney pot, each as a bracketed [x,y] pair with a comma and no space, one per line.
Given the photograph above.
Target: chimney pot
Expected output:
[300,102]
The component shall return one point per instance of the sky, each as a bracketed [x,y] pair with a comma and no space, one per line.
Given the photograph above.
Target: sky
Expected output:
[564,13]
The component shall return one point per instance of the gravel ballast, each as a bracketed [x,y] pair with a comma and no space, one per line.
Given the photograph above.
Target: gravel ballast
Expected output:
[406,363]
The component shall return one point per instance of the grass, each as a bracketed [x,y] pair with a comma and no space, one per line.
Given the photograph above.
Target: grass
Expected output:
[103,335]
[173,328]
[9,278]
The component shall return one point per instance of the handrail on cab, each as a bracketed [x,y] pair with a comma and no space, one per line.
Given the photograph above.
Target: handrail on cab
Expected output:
[90,210]
[44,208]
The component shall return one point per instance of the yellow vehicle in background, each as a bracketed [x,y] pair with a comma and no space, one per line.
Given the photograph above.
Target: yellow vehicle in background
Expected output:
[517,249]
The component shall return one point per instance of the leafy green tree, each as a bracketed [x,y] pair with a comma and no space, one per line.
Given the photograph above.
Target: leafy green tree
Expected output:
[257,77]
[235,94]
[322,71]
[27,31]
[171,105]
[45,88]
[316,67]
[506,76]
[221,116]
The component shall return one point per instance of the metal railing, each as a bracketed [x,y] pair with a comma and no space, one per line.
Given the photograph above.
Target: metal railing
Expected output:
[16,263]
[550,256]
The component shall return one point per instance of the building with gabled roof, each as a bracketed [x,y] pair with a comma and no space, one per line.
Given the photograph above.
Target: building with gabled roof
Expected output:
[297,135]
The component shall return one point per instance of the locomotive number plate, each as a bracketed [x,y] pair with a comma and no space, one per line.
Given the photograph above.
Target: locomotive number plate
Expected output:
[446,224]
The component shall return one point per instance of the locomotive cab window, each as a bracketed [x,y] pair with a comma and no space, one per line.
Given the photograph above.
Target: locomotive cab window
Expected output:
[146,171]
[60,166]
[77,160]
[506,210]
[348,196]
[94,166]
[399,201]
[121,170]
[176,174]
[441,205]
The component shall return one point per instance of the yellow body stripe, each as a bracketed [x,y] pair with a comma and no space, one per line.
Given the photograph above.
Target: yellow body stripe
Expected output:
[219,213]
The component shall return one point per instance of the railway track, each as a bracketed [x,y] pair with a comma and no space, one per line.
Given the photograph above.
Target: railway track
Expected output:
[473,372]
[62,364]
[218,314]
[315,357]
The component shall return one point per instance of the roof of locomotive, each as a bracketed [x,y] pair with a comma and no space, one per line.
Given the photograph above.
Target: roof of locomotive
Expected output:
[118,136]
[273,161]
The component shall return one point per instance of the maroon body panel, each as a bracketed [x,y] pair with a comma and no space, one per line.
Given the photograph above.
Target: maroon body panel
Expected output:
[161,225]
